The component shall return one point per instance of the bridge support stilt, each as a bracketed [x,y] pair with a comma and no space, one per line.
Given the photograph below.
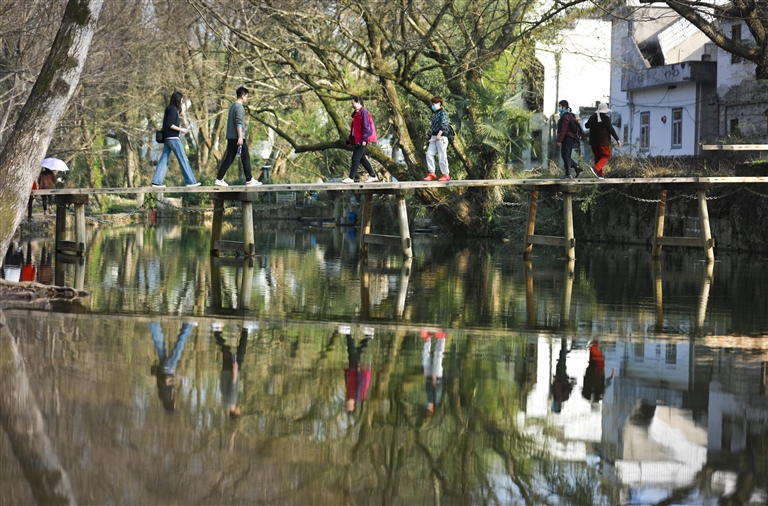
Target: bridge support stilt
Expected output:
[551,276]
[568,241]
[247,247]
[366,237]
[78,245]
[704,240]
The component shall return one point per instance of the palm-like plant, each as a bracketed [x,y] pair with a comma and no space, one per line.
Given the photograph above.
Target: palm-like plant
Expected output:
[500,126]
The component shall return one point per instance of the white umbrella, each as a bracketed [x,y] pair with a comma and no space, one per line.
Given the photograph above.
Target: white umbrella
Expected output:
[55,165]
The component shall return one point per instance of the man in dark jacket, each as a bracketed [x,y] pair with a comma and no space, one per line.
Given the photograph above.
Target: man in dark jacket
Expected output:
[600,133]
[566,138]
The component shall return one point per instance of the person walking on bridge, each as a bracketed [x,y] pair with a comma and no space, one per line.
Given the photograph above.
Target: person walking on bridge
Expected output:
[438,142]
[236,145]
[600,133]
[567,127]
[171,143]
[361,132]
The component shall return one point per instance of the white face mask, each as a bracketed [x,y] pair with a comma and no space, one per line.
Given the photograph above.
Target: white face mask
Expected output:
[435,107]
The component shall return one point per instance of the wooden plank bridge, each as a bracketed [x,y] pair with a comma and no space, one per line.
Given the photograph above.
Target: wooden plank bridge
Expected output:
[247,195]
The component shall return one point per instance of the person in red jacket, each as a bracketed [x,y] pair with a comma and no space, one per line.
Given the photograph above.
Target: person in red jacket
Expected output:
[566,138]
[357,376]
[595,381]
[361,132]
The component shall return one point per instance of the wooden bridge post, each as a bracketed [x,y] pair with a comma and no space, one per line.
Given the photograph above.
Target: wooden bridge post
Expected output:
[532,203]
[217,223]
[246,285]
[365,224]
[61,223]
[247,247]
[565,310]
[402,287]
[570,238]
[78,245]
[706,285]
[248,234]
[405,233]
[80,228]
[530,301]
[658,294]
[661,208]
[706,233]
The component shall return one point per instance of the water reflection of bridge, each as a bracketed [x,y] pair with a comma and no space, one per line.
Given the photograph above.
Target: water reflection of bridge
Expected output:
[564,279]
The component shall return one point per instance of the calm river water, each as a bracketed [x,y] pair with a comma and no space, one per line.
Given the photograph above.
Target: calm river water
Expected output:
[466,376]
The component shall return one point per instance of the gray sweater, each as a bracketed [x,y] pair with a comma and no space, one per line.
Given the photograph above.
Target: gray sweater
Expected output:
[236,118]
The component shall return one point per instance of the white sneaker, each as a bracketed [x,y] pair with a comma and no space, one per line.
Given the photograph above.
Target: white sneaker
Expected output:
[253,182]
[347,180]
[158,185]
[220,182]
[593,171]
[217,326]
[372,179]
[345,330]
[368,332]
[250,325]
[194,184]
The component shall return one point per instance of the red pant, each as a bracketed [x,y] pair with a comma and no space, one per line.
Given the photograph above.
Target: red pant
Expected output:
[602,154]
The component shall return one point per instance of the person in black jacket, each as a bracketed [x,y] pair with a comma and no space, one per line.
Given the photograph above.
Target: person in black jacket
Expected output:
[171,142]
[600,133]
[566,138]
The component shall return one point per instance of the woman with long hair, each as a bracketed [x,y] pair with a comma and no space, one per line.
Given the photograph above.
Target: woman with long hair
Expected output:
[171,143]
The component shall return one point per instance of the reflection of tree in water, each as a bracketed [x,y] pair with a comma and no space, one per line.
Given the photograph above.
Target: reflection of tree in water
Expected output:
[294,442]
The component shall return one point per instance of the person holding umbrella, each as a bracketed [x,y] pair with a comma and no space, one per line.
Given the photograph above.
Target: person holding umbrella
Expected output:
[46,181]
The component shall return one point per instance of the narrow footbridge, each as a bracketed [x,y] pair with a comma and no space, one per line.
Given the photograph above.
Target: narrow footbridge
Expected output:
[247,195]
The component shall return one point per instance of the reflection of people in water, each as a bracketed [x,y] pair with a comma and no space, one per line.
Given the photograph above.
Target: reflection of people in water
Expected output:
[561,384]
[358,375]
[28,270]
[14,257]
[231,365]
[44,271]
[165,371]
[595,381]
[433,367]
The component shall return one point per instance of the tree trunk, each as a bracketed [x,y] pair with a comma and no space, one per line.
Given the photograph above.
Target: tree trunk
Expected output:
[22,155]
[131,159]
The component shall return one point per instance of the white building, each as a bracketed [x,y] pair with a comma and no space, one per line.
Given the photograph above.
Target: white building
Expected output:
[663,84]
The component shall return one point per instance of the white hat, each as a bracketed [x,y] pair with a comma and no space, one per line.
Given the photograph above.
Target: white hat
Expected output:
[603,108]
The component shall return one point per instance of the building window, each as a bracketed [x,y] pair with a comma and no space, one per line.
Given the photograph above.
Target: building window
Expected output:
[639,352]
[645,130]
[677,128]
[671,354]
[536,146]
[626,135]
[735,35]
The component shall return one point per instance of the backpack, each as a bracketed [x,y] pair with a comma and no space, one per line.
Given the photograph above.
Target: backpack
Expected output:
[575,128]
[373,137]
[451,132]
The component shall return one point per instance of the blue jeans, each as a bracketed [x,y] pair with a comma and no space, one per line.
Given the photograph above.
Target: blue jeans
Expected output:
[168,364]
[162,164]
